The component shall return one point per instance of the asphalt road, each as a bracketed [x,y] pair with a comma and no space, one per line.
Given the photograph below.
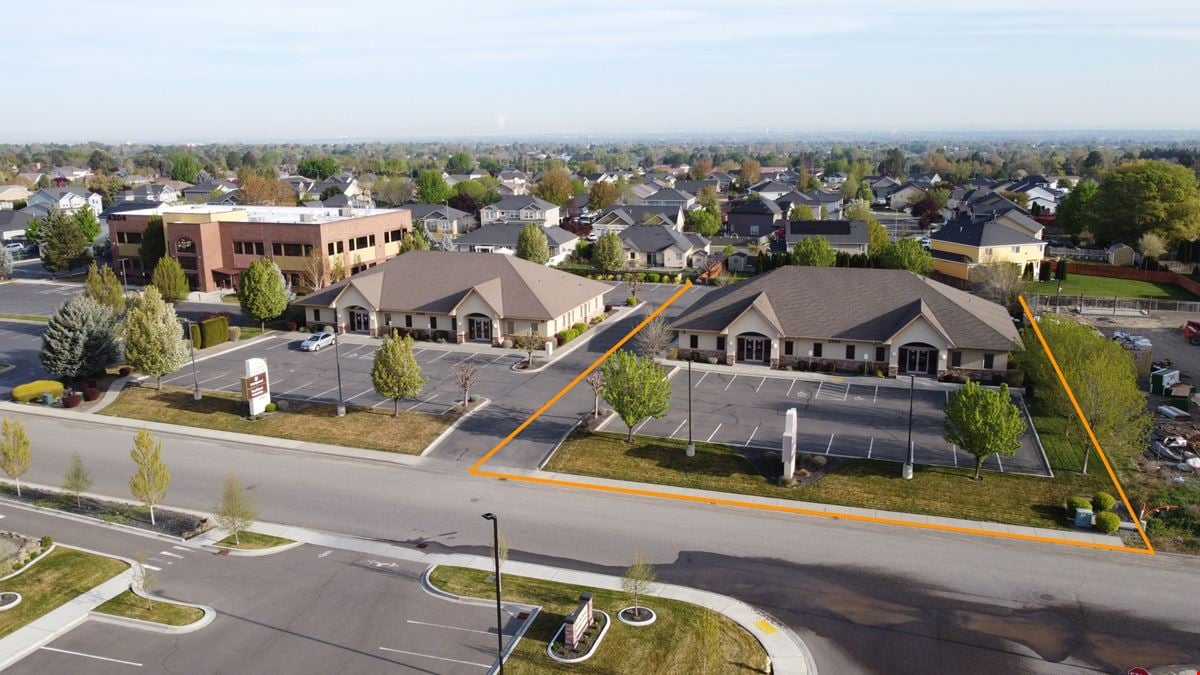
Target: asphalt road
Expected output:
[306,610]
[865,597]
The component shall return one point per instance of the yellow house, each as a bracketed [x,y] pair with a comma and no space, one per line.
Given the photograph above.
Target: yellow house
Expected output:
[960,248]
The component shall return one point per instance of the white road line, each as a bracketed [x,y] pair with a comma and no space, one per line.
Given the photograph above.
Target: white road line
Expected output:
[151,567]
[870,447]
[295,388]
[638,427]
[282,343]
[818,392]
[846,392]
[182,548]
[678,428]
[714,433]
[439,356]
[760,384]
[439,625]
[730,383]
[496,359]
[230,386]
[91,656]
[876,396]
[170,555]
[469,357]
[212,378]
[789,392]
[439,658]
[321,394]
[751,437]
[830,443]
[701,379]
[360,394]
[418,351]
[420,402]
[1000,464]
[386,400]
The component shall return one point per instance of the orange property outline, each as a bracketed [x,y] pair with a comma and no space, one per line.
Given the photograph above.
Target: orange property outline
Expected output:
[477,470]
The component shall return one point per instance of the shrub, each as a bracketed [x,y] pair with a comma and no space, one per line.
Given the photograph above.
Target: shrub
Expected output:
[281,404]
[672,353]
[125,371]
[443,336]
[599,318]
[70,400]
[653,277]
[1108,522]
[302,329]
[194,334]
[91,393]
[506,344]
[24,393]
[291,326]
[1074,503]
[579,327]
[640,276]
[818,461]
[46,542]
[214,331]
[271,407]
[630,302]
[1102,501]
[712,360]
[878,372]
[235,333]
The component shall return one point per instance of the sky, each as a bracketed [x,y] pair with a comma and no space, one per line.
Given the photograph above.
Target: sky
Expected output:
[268,70]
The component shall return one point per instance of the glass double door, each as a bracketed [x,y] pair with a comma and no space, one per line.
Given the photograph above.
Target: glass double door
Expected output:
[479,329]
[753,349]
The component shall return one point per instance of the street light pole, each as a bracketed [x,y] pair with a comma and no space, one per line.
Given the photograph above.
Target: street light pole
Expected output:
[187,327]
[691,446]
[125,280]
[499,620]
[907,472]
[337,361]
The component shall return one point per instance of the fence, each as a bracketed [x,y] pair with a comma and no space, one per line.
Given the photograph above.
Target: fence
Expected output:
[1116,306]
[1155,276]
[1080,253]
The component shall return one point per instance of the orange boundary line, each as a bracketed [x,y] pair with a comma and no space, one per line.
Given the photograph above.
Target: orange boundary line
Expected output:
[476,470]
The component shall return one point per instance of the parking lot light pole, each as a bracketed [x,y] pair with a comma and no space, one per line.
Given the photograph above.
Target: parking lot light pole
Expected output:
[337,361]
[907,472]
[499,620]
[187,328]
[691,446]
[125,280]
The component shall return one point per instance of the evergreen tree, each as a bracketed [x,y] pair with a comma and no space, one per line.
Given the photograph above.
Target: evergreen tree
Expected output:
[170,280]
[532,244]
[396,373]
[104,287]
[262,292]
[150,479]
[154,243]
[80,339]
[62,242]
[153,342]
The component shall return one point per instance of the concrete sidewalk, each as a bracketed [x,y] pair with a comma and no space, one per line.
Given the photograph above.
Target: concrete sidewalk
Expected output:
[900,382]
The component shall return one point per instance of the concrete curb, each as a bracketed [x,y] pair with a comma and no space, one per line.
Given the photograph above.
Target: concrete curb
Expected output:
[128,529]
[110,396]
[209,616]
[29,564]
[450,429]
[594,331]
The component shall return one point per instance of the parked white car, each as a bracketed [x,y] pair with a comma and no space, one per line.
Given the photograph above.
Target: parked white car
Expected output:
[316,341]
[14,248]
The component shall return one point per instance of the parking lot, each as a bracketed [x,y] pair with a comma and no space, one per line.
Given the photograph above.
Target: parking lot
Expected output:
[835,418]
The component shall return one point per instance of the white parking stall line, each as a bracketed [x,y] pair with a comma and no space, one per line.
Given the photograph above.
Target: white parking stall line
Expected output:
[828,447]
[151,567]
[818,392]
[439,658]
[439,625]
[420,402]
[91,656]
[321,394]
[182,548]
[876,396]
[359,394]
[846,392]
[281,343]
[714,433]
[870,447]
[700,380]
[642,424]
[418,351]
[678,428]
[469,357]
[747,443]
[496,359]
[789,391]
[295,388]
[1000,464]
[954,454]
[386,400]
[212,378]
[170,555]
[439,356]
[760,384]
[730,383]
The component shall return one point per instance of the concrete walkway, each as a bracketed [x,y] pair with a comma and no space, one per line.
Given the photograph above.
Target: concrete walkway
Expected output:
[901,382]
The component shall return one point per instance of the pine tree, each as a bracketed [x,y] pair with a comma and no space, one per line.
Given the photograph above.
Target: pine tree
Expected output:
[154,244]
[150,480]
[62,242]
[104,287]
[170,280]
[396,373]
[76,479]
[236,511]
[80,339]
[14,450]
[262,292]
[153,343]
[532,244]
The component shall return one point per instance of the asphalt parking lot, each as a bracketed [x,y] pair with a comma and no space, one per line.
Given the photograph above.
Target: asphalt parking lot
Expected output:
[836,418]
[20,344]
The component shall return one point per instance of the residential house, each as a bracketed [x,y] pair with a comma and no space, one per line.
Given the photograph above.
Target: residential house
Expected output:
[755,217]
[907,193]
[670,197]
[845,236]
[852,319]
[503,237]
[464,296]
[14,223]
[440,219]
[929,177]
[723,178]
[149,192]
[641,191]
[344,201]
[617,218]
[881,187]
[963,245]
[515,180]
[63,176]
[202,190]
[835,180]
[67,199]
[302,186]
[662,246]
[770,189]
[522,209]
[31,176]
[694,187]
[11,194]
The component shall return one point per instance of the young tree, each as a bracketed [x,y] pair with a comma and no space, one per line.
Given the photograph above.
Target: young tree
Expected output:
[103,286]
[814,252]
[170,280]
[6,263]
[907,254]
[1152,246]
[86,221]
[145,578]
[465,376]
[315,274]
[14,450]
[396,373]
[636,388]
[596,382]
[654,338]
[639,580]
[532,244]
[865,192]
[151,477]
[751,171]
[236,511]
[999,282]
[608,255]
[262,293]
[80,339]
[432,188]
[76,480]
[634,283]
[62,241]
[528,343]
[708,199]
[154,243]
[153,343]
[983,422]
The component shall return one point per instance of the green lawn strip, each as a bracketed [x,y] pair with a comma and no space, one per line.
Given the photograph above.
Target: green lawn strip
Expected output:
[686,638]
[53,581]
[250,332]
[133,606]
[25,317]
[231,299]
[869,484]
[253,540]
[369,428]
[1109,287]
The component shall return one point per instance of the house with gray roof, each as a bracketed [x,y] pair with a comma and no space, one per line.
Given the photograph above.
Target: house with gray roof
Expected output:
[14,223]
[465,296]
[663,246]
[617,218]
[149,192]
[845,236]
[67,199]
[521,209]
[849,319]
[201,191]
[502,238]
[964,245]
[440,219]
[670,197]
[771,189]
[755,217]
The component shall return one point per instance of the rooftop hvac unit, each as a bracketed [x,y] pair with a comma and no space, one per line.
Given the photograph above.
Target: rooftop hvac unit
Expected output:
[346,211]
[306,217]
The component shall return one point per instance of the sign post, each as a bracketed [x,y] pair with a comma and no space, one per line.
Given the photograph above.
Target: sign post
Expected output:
[256,387]
[788,451]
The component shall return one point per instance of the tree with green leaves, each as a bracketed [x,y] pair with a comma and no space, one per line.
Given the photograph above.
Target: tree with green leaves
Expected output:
[170,280]
[907,254]
[750,172]
[1148,196]
[639,580]
[1075,212]
[636,388]
[318,168]
[703,222]
[555,186]
[814,252]
[865,192]
[262,291]
[602,195]
[62,242]
[460,162]
[1102,377]
[103,286]
[608,254]
[432,187]
[532,244]
[983,422]
[236,510]
[708,199]
[86,221]
[153,343]
[80,339]
[76,480]
[154,243]
[14,450]
[184,167]
[396,373]
[150,477]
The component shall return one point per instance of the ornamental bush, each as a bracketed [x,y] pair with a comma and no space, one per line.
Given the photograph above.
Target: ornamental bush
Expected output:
[214,331]
[1074,503]
[235,333]
[70,400]
[24,393]
[1102,501]
[271,407]
[1108,522]
[653,277]
[630,302]
[91,393]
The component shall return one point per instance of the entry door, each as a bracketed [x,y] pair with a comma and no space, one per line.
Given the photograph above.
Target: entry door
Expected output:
[480,329]
[360,321]
[918,360]
[753,350]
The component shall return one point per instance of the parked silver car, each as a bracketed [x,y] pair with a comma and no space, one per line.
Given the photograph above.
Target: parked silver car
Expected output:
[314,342]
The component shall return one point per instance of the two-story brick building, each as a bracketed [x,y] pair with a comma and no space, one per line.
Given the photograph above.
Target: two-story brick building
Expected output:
[214,244]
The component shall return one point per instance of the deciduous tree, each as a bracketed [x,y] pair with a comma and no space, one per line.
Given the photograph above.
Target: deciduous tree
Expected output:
[432,188]
[153,343]
[396,373]
[465,375]
[703,222]
[262,292]
[532,244]
[608,254]
[602,195]
[170,280]
[1148,196]
[907,254]
[318,168]
[751,171]
[150,477]
[638,580]
[999,282]
[636,388]
[555,186]
[236,510]
[983,422]
[6,263]
[654,338]
[80,339]
[814,252]
[76,480]
[1075,212]
[14,450]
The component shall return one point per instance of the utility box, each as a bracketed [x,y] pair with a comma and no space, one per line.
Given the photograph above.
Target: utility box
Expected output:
[1180,396]
[1163,379]
[1083,517]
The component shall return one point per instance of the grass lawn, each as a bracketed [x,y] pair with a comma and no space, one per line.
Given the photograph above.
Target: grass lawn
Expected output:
[231,299]
[1106,287]
[133,606]
[686,638]
[52,582]
[937,491]
[25,317]
[370,428]
[253,540]
[250,332]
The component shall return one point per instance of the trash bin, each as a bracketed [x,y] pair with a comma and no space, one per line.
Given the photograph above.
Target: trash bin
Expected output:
[1083,517]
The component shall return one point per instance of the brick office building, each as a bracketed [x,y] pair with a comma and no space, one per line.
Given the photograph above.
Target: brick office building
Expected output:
[214,244]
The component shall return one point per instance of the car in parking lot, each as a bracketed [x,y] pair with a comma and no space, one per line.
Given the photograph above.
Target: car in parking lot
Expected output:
[316,341]
[14,247]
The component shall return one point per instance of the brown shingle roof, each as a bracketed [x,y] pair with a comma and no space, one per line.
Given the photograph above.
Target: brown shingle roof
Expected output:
[855,304]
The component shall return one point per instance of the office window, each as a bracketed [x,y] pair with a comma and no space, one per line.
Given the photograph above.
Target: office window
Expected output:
[408,320]
[694,341]
[296,250]
[881,354]
[956,358]
[1016,249]
[393,235]
[129,237]
[720,343]
[512,327]
[850,352]
[248,248]
[989,361]
[371,240]
[335,247]
[454,324]
[433,323]
[817,349]
[788,348]
[316,315]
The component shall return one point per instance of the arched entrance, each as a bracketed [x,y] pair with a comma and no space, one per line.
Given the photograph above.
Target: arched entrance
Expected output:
[753,348]
[918,358]
[359,320]
[479,328]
